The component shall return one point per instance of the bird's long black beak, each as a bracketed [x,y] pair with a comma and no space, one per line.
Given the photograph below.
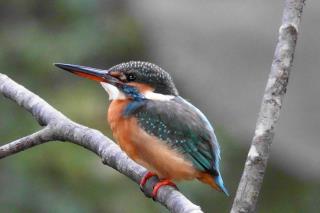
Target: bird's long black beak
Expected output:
[86,72]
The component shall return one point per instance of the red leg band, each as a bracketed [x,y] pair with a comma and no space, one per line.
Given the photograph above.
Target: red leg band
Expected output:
[145,178]
[159,185]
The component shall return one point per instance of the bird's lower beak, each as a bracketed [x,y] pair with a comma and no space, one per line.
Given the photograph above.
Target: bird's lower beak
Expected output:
[85,72]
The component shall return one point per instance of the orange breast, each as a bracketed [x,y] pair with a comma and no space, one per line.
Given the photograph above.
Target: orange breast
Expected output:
[121,127]
[146,149]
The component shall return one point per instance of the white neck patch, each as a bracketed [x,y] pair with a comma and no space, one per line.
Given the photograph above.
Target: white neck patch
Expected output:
[157,96]
[114,92]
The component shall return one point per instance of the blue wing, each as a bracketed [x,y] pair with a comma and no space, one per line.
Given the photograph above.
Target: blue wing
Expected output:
[181,126]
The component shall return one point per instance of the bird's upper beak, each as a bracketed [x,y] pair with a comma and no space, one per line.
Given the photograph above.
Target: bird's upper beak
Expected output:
[89,72]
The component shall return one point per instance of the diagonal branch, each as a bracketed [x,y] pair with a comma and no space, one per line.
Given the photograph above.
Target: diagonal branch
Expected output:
[255,166]
[59,127]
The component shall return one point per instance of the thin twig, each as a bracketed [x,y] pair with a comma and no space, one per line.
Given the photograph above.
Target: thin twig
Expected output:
[256,163]
[40,137]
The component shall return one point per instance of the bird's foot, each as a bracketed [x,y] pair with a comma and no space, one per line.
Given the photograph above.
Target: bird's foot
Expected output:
[150,184]
[145,178]
[147,183]
[160,184]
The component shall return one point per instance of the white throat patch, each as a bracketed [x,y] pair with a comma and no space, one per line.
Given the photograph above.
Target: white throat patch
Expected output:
[114,93]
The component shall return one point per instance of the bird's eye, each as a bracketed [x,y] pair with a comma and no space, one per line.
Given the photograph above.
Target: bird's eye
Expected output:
[131,77]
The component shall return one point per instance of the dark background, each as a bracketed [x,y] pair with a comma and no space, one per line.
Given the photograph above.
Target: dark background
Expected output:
[219,55]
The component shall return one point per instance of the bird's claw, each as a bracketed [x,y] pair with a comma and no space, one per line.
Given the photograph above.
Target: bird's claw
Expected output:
[150,184]
[145,178]
[160,184]
[148,181]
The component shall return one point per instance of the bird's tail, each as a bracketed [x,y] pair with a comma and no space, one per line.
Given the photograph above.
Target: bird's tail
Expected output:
[220,184]
[215,182]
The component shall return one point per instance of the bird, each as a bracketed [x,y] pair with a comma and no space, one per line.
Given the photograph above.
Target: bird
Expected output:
[155,126]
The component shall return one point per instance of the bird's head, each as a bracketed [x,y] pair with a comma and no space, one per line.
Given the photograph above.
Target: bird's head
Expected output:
[134,79]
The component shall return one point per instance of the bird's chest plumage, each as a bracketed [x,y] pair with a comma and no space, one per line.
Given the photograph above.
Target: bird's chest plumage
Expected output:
[144,148]
[122,127]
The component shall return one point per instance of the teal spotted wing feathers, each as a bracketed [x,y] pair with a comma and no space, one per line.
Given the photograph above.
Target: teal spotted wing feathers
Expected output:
[183,128]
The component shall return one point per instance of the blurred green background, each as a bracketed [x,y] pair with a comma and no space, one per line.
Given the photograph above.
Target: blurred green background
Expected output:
[61,177]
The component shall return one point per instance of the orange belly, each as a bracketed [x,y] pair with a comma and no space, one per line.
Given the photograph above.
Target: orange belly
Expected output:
[146,149]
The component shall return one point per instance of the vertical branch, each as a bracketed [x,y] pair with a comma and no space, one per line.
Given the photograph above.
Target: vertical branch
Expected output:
[256,163]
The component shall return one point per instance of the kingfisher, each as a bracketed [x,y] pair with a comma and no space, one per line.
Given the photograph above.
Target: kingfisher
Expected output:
[155,126]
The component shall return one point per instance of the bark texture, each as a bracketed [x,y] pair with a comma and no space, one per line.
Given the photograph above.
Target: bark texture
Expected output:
[256,163]
[59,127]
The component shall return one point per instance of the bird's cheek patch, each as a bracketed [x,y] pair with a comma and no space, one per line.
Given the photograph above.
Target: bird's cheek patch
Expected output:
[142,88]
[118,75]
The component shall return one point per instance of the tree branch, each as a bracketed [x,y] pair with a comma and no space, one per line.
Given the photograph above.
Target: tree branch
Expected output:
[59,127]
[256,163]
[42,136]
